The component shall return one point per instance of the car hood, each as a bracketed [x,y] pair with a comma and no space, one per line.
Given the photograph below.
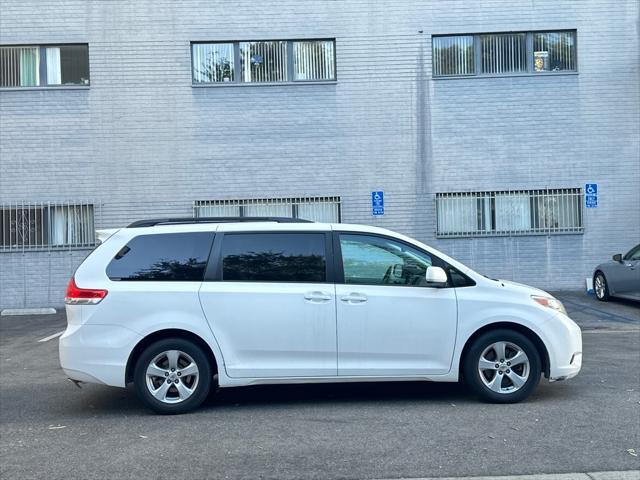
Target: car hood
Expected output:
[521,288]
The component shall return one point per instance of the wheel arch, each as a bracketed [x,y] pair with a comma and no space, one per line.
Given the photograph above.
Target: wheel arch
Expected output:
[168,333]
[527,332]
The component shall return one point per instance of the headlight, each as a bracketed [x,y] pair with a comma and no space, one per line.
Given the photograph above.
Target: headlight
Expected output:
[550,302]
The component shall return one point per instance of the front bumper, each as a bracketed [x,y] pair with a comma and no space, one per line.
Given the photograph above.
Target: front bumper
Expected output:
[565,349]
[97,353]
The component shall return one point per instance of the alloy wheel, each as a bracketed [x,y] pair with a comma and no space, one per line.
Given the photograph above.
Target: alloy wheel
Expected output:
[600,286]
[172,376]
[504,367]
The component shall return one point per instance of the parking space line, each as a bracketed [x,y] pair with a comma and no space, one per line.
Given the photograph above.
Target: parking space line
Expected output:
[600,330]
[51,337]
[598,312]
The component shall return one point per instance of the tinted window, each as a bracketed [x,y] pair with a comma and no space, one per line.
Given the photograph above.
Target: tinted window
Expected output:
[633,254]
[381,261]
[179,257]
[274,257]
[458,279]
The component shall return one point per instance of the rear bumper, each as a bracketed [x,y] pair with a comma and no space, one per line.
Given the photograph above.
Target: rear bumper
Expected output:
[97,353]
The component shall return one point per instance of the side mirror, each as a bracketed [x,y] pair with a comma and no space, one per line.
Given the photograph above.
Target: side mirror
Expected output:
[617,257]
[436,277]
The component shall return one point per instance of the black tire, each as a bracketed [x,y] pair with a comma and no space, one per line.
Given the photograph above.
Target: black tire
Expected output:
[604,295]
[471,373]
[202,384]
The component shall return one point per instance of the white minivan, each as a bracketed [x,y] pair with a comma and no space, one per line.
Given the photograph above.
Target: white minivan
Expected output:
[178,306]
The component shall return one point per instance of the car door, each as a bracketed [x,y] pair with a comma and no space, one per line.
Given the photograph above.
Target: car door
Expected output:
[624,276]
[270,301]
[390,322]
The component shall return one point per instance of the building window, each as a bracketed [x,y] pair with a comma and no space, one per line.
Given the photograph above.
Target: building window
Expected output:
[268,61]
[524,212]
[317,209]
[44,65]
[314,60]
[504,53]
[213,62]
[46,226]
[453,55]
[554,51]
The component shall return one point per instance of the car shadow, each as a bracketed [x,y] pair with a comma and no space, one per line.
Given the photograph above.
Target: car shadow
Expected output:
[100,399]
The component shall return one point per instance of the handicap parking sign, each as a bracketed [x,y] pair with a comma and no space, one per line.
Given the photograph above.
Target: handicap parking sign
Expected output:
[377,203]
[591,195]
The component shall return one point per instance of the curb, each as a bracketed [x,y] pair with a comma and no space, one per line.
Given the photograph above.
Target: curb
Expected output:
[622,475]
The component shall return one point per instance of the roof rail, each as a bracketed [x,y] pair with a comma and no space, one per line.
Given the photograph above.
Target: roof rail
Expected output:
[188,220]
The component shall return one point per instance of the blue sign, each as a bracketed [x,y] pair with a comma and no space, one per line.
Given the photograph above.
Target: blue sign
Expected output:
[377,203]
[591,195]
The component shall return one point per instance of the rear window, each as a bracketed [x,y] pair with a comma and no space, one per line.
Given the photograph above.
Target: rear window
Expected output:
[274,257]
[177,257]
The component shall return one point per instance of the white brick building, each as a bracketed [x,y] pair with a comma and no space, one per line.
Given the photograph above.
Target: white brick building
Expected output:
[143,136]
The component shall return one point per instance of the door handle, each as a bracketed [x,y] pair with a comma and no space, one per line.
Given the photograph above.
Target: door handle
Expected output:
[317,297]
[354,298]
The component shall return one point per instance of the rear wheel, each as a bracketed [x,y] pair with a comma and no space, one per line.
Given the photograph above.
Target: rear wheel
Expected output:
[502,366]
[172,376]
[601,287]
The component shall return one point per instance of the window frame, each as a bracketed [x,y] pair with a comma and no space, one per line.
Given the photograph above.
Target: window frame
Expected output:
[42,74]
[237,82]
[477,52]
[213,271]
[338,266]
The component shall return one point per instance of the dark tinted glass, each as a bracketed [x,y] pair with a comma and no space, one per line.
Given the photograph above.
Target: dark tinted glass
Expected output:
[274,257]
[178,257]
[74,64]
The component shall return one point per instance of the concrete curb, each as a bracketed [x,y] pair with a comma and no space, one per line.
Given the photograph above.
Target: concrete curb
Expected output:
[624,475]
[27,311]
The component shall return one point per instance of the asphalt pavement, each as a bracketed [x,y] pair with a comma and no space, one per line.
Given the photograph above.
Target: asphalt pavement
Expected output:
[51,429]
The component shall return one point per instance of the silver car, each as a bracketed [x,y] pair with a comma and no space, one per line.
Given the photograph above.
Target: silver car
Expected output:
[619,277]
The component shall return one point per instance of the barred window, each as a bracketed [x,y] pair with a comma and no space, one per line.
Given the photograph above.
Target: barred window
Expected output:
[504,53]
[49,65]
[46,225]
[268,61]
[317,209]
[523,212]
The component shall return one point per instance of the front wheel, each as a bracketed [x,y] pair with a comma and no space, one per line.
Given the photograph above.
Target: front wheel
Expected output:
[172,376]
[601,287]
[502,366]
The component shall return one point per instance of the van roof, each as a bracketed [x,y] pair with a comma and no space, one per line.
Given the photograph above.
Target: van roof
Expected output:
[188,220]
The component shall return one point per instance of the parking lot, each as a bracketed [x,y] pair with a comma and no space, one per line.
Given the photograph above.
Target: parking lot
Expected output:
[51,429]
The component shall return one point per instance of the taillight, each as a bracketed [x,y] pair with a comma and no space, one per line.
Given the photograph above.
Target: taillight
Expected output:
[82,296]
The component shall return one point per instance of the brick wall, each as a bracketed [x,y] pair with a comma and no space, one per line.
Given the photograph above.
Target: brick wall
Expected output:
[144,142]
